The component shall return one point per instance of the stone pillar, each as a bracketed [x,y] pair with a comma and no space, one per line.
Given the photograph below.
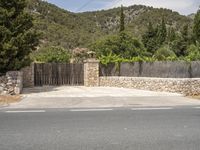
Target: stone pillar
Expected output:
[91,72]
[28,76]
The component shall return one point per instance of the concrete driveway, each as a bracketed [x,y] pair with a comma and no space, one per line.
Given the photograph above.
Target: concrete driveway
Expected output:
[97,97]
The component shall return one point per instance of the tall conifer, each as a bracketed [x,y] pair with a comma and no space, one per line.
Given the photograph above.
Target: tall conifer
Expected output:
[17,37]
[122,19]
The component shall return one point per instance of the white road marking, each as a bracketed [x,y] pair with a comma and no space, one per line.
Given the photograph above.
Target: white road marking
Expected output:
[156,108]
[77,110]
[197,107]
[26,111]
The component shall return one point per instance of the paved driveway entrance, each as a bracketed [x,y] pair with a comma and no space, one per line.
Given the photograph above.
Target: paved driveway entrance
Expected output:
[97,97]
[81,91]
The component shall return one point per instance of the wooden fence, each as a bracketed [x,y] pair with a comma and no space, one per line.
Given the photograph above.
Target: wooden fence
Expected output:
[176,69]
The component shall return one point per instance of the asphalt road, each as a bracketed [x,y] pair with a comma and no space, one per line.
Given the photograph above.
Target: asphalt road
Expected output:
[101,129]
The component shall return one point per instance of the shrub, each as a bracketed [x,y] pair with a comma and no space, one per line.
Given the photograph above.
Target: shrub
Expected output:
[193,52]
[52,54]
[164,53]
[122,44]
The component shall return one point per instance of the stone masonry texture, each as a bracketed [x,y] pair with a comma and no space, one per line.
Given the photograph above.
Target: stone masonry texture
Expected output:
[91,72]
[186,86]
[11,83]
[28,76]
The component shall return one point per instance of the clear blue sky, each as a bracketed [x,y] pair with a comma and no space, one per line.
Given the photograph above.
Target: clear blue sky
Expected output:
[182,6]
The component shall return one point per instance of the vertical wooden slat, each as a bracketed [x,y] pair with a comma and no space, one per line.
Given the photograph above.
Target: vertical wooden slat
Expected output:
[58,74]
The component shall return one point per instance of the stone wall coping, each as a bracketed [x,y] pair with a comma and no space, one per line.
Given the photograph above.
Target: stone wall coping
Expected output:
[147,78]
[91,60]
[13,72]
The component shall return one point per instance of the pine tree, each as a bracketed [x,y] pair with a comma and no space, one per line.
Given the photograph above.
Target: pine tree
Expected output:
[196,29]
[122,22]
[17,38]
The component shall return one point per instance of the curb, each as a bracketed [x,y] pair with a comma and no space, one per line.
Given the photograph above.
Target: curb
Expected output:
[4,105]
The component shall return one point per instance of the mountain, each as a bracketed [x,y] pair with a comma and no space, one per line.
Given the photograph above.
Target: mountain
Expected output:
[70,30]
[192,16]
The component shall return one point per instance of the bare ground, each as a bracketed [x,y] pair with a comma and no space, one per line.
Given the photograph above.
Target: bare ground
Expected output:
[9,99]
[195,97]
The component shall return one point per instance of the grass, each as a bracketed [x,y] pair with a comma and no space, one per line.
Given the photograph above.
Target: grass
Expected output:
[9,99]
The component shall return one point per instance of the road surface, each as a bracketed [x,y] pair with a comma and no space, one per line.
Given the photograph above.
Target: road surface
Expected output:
[138,128]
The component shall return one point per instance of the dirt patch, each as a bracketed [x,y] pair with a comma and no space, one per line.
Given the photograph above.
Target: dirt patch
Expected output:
[9,99]
[195,97]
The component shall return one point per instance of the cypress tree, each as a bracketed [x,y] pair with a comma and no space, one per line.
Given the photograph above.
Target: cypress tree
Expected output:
[162,32]
[17,38]
[196,29]
[122,17]
[185,40]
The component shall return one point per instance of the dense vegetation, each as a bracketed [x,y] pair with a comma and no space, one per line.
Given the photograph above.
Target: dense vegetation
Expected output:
[196,29]
[136,33]
[159,43]
[17,37]
[128,33]
[51,54]
[71,30]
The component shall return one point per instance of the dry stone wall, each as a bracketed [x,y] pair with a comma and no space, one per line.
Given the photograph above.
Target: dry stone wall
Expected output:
[187,86]
[11,83]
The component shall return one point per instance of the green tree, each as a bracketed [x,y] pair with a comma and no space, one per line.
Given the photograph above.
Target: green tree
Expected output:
[181,43]
[122,18]
[185,33]
[171,35]
[122,44]
[149,39]
[52,54]
[17,38]
[196,29]
[162,33]
[194,52]
[154,38]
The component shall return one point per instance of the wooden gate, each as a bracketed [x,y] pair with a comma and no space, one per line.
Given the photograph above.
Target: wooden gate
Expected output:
[56,74]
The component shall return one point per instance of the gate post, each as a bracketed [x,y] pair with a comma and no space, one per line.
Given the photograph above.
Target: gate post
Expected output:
[28,76]
[91,72]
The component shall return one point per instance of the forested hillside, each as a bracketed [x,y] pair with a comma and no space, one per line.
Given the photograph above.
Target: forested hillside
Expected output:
[70,30]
